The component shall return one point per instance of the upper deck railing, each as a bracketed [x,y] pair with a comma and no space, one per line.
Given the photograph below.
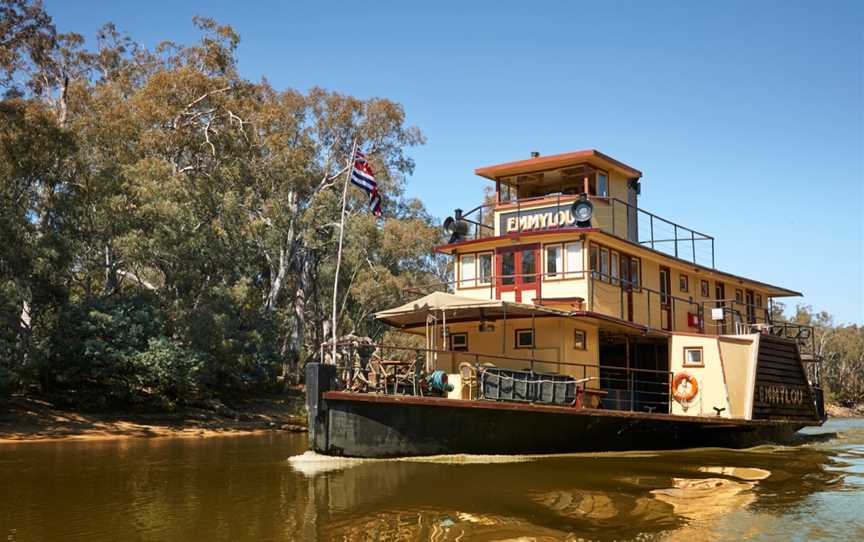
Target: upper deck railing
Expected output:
[611,215]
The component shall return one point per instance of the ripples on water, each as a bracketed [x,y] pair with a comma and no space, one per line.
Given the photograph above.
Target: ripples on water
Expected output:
[243,488]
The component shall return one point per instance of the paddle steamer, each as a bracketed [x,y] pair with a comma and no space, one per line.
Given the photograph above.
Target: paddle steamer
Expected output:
[577,321]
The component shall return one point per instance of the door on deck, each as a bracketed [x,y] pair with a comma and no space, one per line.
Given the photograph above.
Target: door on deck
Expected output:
[720,295]
[749,301]
[518,271]
[665,299]
[629,280]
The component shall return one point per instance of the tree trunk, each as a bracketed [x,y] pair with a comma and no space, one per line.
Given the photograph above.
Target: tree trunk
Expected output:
[278,281]
[111,282]
[293,346]
[287,250]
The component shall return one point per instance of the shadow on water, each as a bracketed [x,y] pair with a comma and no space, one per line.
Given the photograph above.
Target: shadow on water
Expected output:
[243,488]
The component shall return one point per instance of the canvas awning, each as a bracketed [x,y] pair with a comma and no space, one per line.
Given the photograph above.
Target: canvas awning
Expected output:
[458,308]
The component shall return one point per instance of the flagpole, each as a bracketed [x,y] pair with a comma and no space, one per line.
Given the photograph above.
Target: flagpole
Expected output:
[341,236]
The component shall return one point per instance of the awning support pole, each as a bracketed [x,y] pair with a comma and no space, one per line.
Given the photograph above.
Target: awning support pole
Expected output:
[504,332]
[533,339]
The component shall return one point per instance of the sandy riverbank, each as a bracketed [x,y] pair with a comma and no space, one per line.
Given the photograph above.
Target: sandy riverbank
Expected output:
[28,419]
[837,411]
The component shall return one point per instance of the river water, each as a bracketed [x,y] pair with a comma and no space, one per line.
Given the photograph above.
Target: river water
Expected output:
[266,488]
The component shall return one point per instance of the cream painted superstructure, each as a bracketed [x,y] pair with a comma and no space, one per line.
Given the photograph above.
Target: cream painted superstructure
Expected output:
[590,298]
[554,350]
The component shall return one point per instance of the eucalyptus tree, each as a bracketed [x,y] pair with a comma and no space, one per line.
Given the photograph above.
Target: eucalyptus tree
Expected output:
[164,172]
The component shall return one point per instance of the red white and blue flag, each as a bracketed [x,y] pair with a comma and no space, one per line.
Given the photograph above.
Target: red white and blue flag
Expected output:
[362,176]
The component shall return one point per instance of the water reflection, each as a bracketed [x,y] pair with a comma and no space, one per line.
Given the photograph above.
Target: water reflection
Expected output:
[243,488]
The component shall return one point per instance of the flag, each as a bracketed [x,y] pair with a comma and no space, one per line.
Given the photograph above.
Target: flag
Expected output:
[362,176]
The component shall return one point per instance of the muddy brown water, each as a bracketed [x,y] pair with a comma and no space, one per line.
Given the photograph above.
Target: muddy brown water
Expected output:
[264,487]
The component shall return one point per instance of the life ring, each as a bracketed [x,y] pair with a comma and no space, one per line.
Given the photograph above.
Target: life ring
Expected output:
[689,392]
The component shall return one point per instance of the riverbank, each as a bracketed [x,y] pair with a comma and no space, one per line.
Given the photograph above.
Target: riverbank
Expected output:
[30,419]
[836,411]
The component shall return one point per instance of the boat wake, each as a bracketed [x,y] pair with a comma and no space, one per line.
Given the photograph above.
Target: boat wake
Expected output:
[310,463]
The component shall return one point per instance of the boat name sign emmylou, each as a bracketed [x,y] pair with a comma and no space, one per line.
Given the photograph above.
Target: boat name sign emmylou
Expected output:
[781,395]
[537,219]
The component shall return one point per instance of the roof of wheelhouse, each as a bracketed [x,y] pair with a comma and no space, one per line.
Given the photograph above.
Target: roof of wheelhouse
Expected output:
[590,156]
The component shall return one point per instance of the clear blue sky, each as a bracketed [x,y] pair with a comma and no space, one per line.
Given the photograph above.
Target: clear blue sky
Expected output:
[745,117]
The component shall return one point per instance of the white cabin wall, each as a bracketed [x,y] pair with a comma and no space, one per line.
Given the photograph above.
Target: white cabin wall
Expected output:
[710,376]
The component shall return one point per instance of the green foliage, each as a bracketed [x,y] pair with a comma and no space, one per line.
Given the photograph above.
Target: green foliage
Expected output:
[841,349]
[95,347]
[168,230]
[169,370]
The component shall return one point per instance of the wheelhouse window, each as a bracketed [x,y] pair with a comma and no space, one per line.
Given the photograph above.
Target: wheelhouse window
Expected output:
[506,193]
[467,270]
[705,289]
[554,261]
[602,185]
[684,283]
[593,254]
[574,259]
[739,296]
[569,180]
[484,266]
[524,338]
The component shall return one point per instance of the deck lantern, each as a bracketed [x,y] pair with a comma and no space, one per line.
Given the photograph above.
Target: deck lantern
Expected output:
[456,226]
[582,210]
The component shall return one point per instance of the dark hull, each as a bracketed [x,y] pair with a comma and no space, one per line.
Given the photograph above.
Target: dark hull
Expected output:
[363,425]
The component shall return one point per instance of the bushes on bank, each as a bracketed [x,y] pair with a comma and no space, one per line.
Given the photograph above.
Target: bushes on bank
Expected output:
[124,351]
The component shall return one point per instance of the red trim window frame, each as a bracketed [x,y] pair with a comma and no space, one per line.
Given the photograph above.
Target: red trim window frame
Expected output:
[519,283]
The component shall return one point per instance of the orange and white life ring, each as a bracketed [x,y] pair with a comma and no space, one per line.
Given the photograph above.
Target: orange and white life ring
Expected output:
[684,387]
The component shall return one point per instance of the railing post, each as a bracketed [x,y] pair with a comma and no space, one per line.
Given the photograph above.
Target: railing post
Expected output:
[712,252]
[652,229]
[693,244]
[669,393]
[632,392]
[675,230]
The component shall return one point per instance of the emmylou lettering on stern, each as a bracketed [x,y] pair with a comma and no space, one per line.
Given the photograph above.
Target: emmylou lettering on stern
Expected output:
[780,395]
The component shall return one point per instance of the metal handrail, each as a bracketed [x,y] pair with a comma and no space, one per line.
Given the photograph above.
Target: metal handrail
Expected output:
[636,387]
[416,349]
[689,235]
